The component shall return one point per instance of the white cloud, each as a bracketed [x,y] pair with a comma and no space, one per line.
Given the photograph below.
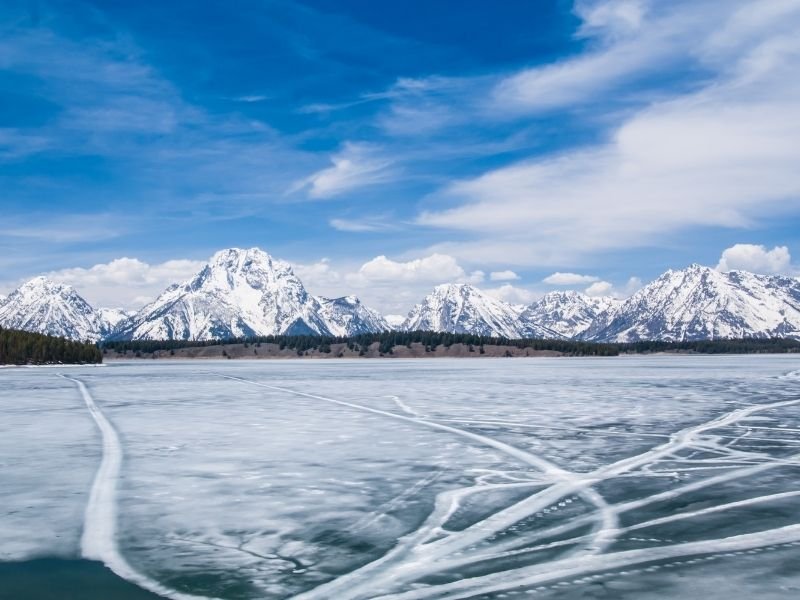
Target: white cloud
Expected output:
[633,285]
[757,259]
[387,285]
[436,268]
[723,155]
[362,225]
[627,43]
[125,282]
[559,278]
[613,18]
[606,288]
[512,294]
[503,276]
[320,277]
[600,288]
[251,98]
[354,166]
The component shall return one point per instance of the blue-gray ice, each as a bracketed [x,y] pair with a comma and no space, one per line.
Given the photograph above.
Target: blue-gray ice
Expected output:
[647,477]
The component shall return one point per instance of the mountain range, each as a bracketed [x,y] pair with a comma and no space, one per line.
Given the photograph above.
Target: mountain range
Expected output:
[241,293]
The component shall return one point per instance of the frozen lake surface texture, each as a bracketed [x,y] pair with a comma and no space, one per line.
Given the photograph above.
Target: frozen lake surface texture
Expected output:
[633,478]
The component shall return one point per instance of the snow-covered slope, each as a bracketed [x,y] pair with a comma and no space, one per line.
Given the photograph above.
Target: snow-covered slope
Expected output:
[244,293]
[348,316]
[238,293]
[247,292]
[43,306]
[702,303]
[570,314]
[461,308]
[395,322]
[112,317]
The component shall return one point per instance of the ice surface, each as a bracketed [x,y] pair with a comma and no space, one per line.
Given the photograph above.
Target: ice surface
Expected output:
[647,477]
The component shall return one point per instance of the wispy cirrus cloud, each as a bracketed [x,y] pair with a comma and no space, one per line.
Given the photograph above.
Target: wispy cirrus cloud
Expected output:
[722,155]
[355,165]
[365,224]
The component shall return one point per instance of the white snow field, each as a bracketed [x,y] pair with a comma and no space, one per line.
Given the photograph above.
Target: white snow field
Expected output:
[620,478]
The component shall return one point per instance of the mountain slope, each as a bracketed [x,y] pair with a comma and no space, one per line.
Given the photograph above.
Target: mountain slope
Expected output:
[570,314]
[701,303]
[43,306]
[461,308]
[112,317]
[347,316]
[238,293]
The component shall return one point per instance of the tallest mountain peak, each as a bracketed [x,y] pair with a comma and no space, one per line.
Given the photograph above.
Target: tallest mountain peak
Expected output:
[238,293]
[242,293]
[238,253]
[239,258]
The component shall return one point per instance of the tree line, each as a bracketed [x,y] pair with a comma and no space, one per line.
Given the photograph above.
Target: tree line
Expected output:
[720,346]
[26,348]
[387,341]
[361,343]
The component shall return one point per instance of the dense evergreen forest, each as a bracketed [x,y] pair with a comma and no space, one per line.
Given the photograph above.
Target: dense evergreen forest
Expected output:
[25,348]
[431,340]
[386,341]
[739,346]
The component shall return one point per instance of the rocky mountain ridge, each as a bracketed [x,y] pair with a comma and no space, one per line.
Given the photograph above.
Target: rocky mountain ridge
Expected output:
[241,293]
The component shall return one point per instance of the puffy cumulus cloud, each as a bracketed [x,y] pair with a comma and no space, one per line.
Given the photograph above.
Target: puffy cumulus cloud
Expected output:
[354,166]
[126,282]
[436,268]
[559,278]
[318,275]
[600,288]
[503,276]
[606,288]
[757,259]
[633,285]
[723,154]
[387,285]
[512,294]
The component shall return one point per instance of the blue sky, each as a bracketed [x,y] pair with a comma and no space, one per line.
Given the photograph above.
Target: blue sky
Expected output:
[376,142]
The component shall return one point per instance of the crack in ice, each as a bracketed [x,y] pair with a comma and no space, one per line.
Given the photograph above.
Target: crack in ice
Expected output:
[99,537]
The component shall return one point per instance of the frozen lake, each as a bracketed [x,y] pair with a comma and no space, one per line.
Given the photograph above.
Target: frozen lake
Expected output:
[619,478]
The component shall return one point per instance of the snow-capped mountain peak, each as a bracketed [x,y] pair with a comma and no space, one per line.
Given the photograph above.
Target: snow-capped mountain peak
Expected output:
[243,293]
[703,303]
[52,308]
[568,313]
[247,292]
[348,316]
[112,317]
[238,293]
[462,308]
